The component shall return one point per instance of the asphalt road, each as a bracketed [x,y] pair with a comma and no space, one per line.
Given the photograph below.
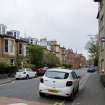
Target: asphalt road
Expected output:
[90,93]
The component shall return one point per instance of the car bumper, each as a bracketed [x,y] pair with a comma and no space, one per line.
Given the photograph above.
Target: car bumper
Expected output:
[20,76]
[66,91]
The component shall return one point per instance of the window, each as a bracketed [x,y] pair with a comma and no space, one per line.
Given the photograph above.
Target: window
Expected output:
[3,30]
[102,65]
[102,46]
[6,45]
[12,61]
[11,45]
[101,5]
[20,48]
[57,74]
[74,76]
[15,34]
[24,50]
[20,70]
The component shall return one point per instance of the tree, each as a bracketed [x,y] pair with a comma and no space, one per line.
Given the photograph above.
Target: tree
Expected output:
[67,66]
[35,55]
[50,59]
[92,48]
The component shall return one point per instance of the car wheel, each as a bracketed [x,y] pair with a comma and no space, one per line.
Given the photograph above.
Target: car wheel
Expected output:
[35,75]
[78,89]
[41,94]
[27,77]
[72,95]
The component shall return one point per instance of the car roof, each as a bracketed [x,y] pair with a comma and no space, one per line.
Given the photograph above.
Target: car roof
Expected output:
[24,69]
[61,70]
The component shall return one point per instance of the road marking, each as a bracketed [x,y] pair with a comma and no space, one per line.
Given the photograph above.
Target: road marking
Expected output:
[76,103]
[18,104]
[12,82]
[59,103]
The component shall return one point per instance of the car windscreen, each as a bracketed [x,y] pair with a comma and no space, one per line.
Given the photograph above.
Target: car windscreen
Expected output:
[56,74]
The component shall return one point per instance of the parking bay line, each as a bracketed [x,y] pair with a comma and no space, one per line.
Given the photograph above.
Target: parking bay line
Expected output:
[59,103]
[12,82]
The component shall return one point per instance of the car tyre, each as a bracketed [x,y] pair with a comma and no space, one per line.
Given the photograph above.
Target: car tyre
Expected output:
[78,89]
[35,75]
[72,95]
[41,94]
[27,77]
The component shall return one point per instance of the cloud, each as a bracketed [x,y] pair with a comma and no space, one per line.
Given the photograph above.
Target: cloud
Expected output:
[68,21]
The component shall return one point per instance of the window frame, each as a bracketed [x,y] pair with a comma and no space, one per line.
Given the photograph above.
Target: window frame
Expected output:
[74,75]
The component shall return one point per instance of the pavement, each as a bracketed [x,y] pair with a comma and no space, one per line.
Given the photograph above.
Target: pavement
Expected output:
[92,93]
[7,80]
[15,101]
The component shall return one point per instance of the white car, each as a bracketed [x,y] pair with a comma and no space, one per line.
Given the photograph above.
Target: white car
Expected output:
[60,82]
[25,73]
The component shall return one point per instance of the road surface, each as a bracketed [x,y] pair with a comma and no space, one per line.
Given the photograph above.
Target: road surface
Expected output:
[91,92]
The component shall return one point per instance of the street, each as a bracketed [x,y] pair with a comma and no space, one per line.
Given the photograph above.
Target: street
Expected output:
[90,93]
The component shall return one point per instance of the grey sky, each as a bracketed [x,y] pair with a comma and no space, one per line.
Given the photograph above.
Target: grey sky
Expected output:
[67,21]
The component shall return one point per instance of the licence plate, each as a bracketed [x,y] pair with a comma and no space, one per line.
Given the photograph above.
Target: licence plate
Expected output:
[53,90]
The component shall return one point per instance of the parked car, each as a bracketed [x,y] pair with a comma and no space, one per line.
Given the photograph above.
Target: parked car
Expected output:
[41,71]
[91,69]
[60,82]
[25,73]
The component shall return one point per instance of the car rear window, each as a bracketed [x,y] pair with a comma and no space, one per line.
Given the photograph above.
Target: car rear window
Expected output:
[20,70]
[24,69]
[56,75]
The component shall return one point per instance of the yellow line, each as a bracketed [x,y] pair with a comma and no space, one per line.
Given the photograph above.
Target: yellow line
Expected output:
[59,103]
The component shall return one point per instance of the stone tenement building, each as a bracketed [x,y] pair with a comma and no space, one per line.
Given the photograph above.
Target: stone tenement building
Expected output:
[11,46]
[101,34]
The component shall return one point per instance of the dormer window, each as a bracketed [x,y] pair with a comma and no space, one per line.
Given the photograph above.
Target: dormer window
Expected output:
[97,0]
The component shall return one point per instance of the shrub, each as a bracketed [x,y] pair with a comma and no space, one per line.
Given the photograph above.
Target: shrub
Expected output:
[102,79]
[3,67]
[67,66]
[7,69]
[11,69]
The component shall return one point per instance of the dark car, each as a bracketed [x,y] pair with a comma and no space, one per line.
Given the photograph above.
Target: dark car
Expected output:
[41,71]
[91,69]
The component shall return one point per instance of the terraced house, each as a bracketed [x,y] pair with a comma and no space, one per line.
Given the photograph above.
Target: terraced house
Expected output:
[11,48]
[101,34]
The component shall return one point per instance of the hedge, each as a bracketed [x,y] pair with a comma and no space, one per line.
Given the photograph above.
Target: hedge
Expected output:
[7,69]
[67,66]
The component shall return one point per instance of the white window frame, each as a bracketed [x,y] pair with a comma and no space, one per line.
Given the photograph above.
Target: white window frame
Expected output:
[11,42]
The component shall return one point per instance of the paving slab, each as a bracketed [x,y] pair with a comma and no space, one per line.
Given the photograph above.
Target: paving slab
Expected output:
[15,101]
